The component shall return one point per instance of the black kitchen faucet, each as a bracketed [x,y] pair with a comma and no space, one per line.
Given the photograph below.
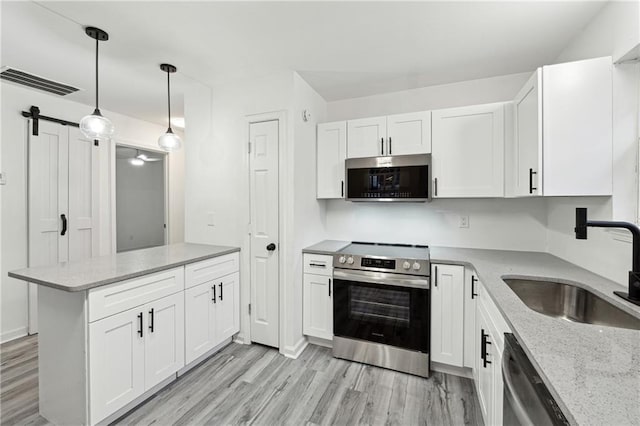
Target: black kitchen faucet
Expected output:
[582,223]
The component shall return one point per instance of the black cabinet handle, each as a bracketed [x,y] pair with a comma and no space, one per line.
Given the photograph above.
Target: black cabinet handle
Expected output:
[140,333]
[342,189]
[271,247]
[151,321]
[435,281]
[213,287]
[329,287]
[64,224]
[381,146]
[483,348]
[435,187]
[531,187]
[473,286]
[220,290]
[389,145]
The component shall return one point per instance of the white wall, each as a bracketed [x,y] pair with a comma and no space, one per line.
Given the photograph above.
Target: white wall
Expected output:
[13,146]
[518,224]
[140,205]
[612,33]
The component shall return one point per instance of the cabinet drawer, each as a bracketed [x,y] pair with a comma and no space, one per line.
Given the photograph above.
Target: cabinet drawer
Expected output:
[115,298]
[318,264]
[207,270]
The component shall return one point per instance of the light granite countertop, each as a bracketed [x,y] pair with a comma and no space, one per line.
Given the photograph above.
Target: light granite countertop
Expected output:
[592,371]
[103,270]
[328,247]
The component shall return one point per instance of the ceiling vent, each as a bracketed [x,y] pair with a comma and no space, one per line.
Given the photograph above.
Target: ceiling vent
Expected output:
[35,82]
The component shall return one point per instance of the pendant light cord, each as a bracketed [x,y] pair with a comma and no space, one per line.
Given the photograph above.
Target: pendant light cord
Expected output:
[97,73]
[169,98]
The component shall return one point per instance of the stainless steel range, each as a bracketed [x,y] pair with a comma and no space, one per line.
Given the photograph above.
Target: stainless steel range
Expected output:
[381,306]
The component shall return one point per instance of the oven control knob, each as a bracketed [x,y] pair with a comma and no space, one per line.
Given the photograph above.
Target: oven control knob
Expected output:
[406,265]
[416,266]
[342,259]
[350,261]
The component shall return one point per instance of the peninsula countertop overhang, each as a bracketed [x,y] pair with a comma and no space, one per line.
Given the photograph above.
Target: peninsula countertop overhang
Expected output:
[103,270]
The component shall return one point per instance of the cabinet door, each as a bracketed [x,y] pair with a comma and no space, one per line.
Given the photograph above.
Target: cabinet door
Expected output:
[164,338]
[471,292]
[485,376]
[468,151]
[447,314]
[366,137]
[528,137]
[116,365]
[227,308]
[331,152]
[409,133]
[318,306]
[199,320]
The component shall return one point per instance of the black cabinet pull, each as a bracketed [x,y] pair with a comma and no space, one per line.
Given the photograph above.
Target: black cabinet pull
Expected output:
[473,286]
[342,189]
[381,146]
[220,290]
[271,247]
[483,348]
[531,187]
[213,287]
[389,145]
[329,287]
[151,321]
[140,333]
[435,281]
[435,187]
[64,224]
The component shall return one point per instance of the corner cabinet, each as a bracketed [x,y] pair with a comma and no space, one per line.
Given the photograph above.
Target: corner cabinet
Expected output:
[317,293]
[563,130]
[468,151]
[331,150]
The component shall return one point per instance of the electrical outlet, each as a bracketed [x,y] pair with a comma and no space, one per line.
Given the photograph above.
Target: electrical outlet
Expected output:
[464,221]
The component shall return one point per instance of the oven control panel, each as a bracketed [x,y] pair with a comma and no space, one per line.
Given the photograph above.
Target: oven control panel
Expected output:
[399,266]
[371,262]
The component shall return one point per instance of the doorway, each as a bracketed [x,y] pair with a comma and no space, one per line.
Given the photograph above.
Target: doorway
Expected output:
[264,140]
[140,198]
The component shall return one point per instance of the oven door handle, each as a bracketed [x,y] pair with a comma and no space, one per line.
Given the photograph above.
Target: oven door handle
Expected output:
[396,280]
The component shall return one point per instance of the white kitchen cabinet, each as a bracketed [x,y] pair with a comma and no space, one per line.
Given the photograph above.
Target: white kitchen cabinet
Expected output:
[117,362]
[486,363]
[471,285]
[212,314]
[409,133]
[366,137]
[447,314]
[317,295]
[331,150]
[468,151]
[563,130]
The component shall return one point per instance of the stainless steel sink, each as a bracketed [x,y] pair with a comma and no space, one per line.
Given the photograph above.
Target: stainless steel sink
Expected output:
[571,303]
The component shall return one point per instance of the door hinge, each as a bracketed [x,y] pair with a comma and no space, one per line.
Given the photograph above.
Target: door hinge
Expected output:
[249,308]
[249,144]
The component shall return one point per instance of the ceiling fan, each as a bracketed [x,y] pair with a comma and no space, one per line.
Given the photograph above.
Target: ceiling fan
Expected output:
[140,159]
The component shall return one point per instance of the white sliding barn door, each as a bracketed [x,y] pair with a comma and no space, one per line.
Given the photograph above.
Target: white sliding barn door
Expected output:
[63,179]
[263,169]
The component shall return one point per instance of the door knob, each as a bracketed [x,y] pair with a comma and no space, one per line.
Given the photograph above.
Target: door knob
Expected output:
[271,247]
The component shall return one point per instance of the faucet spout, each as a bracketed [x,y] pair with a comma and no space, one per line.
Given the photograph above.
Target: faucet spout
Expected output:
[582,223]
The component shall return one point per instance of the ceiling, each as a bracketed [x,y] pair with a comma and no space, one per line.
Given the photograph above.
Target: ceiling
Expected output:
[343,49]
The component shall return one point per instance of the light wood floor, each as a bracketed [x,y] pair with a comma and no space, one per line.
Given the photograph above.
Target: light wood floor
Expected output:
[245,384]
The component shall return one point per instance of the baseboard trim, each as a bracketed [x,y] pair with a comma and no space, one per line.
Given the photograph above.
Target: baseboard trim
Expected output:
[241,339]
[13,334]
[320,342]
[294,351]
[453,370]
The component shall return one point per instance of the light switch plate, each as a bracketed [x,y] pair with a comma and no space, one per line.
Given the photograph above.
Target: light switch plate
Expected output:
[3,178]
[211,219]
[464,221]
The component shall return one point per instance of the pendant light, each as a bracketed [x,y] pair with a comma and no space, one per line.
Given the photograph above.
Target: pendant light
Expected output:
[169,141]
[95,126]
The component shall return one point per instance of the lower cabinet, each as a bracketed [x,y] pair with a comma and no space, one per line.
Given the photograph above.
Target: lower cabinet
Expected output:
[447,314]
[318,306]
[133,351]
[212,314]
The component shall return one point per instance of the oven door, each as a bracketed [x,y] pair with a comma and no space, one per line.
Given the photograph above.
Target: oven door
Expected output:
[391,309]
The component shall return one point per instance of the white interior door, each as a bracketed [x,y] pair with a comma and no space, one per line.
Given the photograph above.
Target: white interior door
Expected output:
[263,177]
[48,192]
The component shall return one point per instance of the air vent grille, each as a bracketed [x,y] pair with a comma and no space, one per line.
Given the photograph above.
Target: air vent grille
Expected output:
[25,79]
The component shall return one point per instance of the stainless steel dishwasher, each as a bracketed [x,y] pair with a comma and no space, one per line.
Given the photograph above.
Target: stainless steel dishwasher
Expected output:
[527,401]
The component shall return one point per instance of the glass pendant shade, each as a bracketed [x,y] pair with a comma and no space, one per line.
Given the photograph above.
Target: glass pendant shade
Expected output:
[136,162]
[170,141]
[95,126]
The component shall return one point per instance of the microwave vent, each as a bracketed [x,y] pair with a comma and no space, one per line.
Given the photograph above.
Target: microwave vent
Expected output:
[33,81]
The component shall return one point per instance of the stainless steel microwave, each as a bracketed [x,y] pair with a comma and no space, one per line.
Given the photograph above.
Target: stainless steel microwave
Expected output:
[396,178]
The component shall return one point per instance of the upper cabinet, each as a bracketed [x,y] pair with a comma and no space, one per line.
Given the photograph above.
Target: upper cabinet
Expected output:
[563,131]
[366,137]
[332,151]
[468,151]
[398,134]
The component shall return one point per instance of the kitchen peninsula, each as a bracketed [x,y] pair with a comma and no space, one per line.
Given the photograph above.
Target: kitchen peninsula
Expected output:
[113,329]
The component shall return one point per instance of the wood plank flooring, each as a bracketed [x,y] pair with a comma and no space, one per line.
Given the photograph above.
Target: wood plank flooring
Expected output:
[253,384]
